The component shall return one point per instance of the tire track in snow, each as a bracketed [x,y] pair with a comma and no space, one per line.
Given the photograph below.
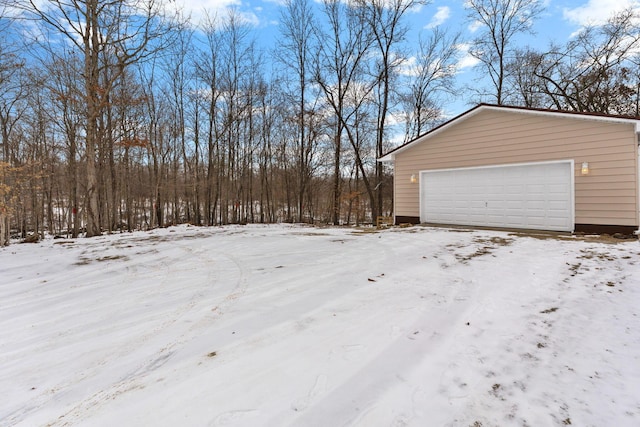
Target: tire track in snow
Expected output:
[180,323]
[186,342]
[350,402]
[354,402]
[134,380]
[81,332]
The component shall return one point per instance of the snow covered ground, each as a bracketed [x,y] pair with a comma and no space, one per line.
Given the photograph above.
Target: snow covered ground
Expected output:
[288,325]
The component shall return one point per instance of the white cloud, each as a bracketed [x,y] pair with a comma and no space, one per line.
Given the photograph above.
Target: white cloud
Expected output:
[15,10]
[443,13]
[199,10]
[466,59]
[188,5]
[474,26]
[408,68]
[596,12]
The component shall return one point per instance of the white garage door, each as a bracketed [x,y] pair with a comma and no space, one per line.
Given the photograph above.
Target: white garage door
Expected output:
[532,196]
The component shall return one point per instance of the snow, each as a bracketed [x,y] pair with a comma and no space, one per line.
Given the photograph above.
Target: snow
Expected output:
[277,325]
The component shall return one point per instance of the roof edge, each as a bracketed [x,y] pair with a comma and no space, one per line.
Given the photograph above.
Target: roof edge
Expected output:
[390,156]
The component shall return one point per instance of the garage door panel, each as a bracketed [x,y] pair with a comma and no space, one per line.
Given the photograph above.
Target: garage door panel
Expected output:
[555,197]
[537,205]
[554,188]
[514,190]
[538,188]
[514,220]
[557,205]
[538,196]
[513,205]
[496,190]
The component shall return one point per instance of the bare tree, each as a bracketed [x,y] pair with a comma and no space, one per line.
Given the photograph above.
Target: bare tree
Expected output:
[132,141]
[178,69]
[295,53]
[339,68]
[13,90]
[386,22]
[207,69]
[119,30]
[499,21]
[432,74]
[63,84]
[524,87]
[592,72]
[633,87]
[238,65]
[159,148]
[4,203]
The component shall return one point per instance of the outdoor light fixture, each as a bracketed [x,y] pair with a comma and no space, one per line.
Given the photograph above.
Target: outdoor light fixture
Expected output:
[585,168]
[414,178]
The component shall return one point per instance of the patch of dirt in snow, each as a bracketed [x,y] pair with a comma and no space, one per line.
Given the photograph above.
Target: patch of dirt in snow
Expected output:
[480,246]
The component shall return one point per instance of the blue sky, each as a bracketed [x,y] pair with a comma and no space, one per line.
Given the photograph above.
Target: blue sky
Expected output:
[560,20]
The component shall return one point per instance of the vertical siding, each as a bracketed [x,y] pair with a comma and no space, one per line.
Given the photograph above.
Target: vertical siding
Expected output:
[607,196]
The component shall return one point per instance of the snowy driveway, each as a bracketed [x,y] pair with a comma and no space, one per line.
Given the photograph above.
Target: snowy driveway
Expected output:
[286,325]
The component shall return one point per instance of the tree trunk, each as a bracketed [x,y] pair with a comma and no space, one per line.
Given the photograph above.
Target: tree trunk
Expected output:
[4,228]
[337,177]
[92,83]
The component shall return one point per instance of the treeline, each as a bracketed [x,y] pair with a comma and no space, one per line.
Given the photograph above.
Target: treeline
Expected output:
[118,116]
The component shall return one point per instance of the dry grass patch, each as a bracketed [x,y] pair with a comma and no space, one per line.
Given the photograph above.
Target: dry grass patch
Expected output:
[112,258]
[489,244]
[86,261]
[601,256]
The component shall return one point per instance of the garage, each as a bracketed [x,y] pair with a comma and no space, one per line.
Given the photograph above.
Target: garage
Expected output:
[531,196]
[514,167]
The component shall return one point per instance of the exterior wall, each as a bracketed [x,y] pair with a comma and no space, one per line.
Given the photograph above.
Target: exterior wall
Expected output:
[607,196]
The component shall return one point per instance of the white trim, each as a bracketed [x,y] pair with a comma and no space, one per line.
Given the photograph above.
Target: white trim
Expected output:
[570,162]
[394,193]
[565,114]
[573,194]
[637,232]
[505,165]
[470,113]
